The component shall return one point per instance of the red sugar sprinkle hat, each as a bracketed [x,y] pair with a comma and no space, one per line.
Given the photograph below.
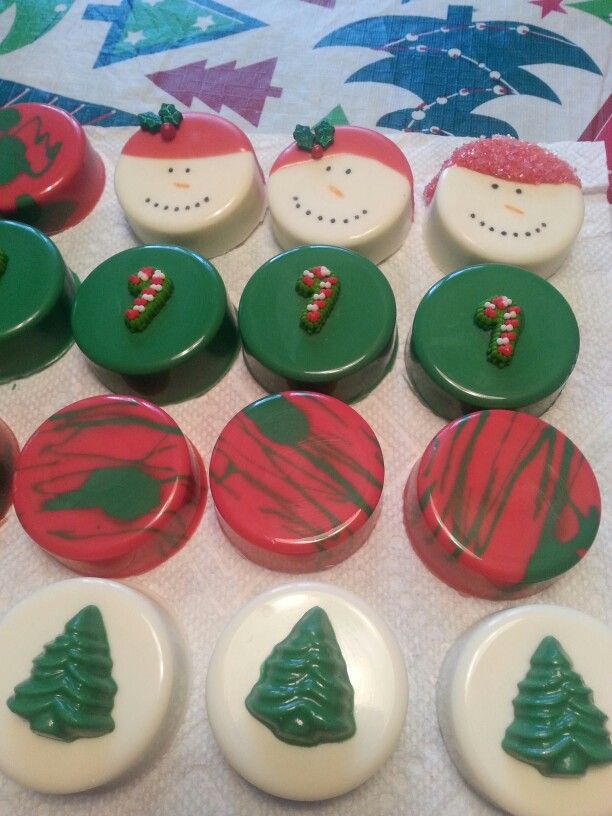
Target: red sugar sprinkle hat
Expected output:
[356,141]
[509,159]
[199,135]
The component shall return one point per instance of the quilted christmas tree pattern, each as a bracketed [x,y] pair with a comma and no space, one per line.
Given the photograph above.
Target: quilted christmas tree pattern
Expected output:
[456,65]
[31,20]
[150,26]
[84,112]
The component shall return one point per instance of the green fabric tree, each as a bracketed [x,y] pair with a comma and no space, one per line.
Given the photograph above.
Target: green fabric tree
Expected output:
[70,692]
[304,695]
[556,727]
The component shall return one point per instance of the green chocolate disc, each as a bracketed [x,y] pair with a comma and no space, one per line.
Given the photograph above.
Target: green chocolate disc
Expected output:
[36,293]
[186,347]
[448,353]
[356,343]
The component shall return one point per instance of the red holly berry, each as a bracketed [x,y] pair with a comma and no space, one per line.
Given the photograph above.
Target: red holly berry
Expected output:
[168,131]
[317,151]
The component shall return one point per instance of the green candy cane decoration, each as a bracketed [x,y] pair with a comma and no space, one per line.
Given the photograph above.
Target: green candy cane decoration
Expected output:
[151,290]
[506,322]
[323,288]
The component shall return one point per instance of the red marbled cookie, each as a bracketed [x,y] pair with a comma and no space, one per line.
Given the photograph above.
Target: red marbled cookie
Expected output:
[296,479]
[500,504]
[110,486]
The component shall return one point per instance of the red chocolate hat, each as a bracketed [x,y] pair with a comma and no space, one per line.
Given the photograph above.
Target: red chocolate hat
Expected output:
[351,140]
[508,159]
[198,135]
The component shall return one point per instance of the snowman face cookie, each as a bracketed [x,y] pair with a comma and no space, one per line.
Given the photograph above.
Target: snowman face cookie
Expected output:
[478,216]
[202,189]
[362,201]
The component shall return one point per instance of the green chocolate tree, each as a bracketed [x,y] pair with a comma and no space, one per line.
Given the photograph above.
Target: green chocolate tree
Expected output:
[556,727]
[304,695]
[70,692]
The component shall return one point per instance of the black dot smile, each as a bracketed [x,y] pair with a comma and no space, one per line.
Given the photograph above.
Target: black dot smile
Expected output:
[298,206]
[205,200]
[505,233]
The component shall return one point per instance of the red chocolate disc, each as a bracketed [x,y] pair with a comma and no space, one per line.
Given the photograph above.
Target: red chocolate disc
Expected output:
[296,479]
[8,452]
[110,486]
[50,176]
[501,504]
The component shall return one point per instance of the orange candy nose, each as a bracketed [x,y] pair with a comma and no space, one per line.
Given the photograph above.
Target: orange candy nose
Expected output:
[336,191]
[182,185]
[514,209]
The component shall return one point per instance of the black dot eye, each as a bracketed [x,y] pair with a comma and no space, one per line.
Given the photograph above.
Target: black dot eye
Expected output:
[495,186]
[188,169]
[348,171]
[518,191]
[328,168]
[171,169]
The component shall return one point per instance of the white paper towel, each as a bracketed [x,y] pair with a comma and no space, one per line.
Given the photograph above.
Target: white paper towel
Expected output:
[207,581]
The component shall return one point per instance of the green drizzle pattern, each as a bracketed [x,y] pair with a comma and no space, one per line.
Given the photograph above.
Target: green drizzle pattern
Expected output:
[304,695]
[70,692]
[556,727]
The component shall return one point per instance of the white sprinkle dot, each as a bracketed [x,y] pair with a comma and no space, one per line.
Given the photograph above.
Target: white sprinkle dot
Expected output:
[463,92]
[494,74]
[412,37]
[454,53]
[418,115]
[522,29]
[441,100]
[421,49]
[499,90]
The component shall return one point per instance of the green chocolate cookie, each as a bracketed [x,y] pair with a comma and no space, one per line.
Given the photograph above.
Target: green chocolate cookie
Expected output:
[36,292]
[299,335]
[491,336]
[183,350]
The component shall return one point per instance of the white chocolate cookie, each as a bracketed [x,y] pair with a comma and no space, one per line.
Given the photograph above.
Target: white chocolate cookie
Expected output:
[357,193]
[314,758]
[522,704]
[92,684]
[202,189]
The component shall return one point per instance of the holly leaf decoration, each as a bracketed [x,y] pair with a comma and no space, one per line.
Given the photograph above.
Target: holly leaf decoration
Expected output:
[304,137]
[168,113]
[149,121]
[324,133]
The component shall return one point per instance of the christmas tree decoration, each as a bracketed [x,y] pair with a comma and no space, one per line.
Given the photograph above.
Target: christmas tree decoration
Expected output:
[31,21]
[323,288]
[330,701]
[555,757]
[304,695]
[442,61]
[104,696]
[71,691]
[557,727]
[85,113]
[143,27]
[222,85]
[505,321]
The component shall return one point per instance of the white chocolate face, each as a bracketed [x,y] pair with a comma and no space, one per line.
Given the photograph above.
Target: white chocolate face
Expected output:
[475,217]
[185,201]
[344,200]
[478,683]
